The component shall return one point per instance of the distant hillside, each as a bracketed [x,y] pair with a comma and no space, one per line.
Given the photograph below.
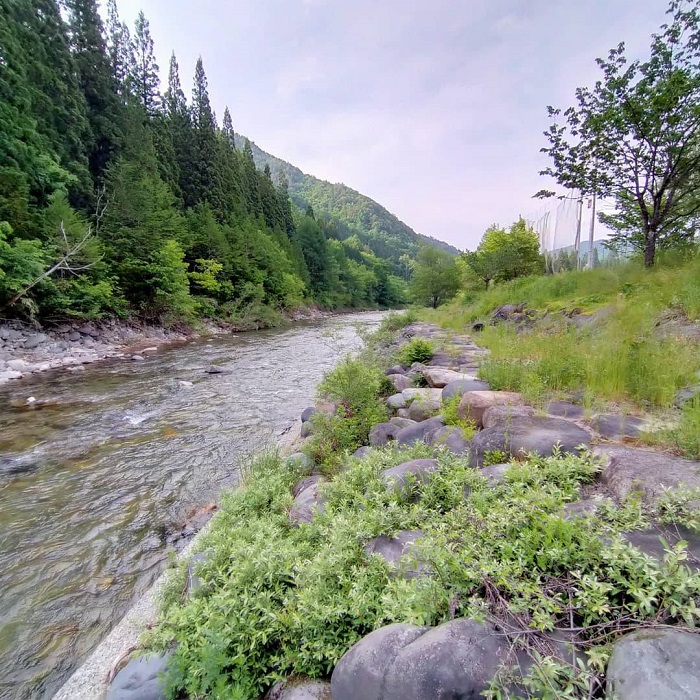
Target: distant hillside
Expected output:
[353,213]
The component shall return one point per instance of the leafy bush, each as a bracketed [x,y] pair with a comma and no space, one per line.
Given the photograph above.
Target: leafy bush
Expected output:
[416,350]
[451,415]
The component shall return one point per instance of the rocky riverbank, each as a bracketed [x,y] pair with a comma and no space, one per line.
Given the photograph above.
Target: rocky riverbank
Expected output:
[530,538]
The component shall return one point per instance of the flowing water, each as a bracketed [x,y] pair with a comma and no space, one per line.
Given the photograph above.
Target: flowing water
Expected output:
[109,460]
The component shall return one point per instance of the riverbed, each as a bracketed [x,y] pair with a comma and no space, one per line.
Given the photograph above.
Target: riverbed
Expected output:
[104,465]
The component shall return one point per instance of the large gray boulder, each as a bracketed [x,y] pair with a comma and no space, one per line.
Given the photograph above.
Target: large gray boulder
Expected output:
[655,664]
[452,438]
[402,422]
[394,549]
[359,675]
[307,504]
[473,404]
[565,409]
[420,432]
[423,408]
[308,413]
[654,541]
[300,461]
[400,381]
[617,427]
[34,341]
[521,436]
[383,433]
[396,369]
[400,478]
[397,401]
[462,386]
[141,679]
[304,483]
[438,377]
[454,661]
[300,689]
[503,414]
[495,474]
[630,470]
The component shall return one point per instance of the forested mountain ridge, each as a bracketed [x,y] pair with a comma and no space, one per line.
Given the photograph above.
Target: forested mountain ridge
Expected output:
[120,197]
[352,213]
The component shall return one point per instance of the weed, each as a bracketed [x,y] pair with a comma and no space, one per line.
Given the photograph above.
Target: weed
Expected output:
[416,350]
[492,457]
[451,415]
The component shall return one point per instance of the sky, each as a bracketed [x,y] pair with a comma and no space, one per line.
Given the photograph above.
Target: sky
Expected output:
[433,108]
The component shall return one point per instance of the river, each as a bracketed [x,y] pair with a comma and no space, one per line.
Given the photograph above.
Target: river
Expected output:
[108,461]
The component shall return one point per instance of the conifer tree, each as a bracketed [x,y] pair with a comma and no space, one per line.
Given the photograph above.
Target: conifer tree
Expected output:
[120,48]
[144,76]
[227,129]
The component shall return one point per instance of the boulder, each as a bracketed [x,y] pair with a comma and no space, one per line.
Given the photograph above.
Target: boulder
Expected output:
[650,474]
[299,460]
[654,540]
[474,403]
[307,413]
[9,374]
[74,336]
[300,689]
[394,549]
[459,387]
[141,679]
[683,396]
[504,313]
[442,359]
[34,341]
[396,369]
[400,478]
[383,433]
[452,438]
[581,509]
[403,413]
[654,663]
[305,483]
[425,394]
[617,427]
[565,409]
[437,377]
[520,436]
[495,474]
[359,675]
[139,358]
[397,401]
[194,583]
[402,422]
[503,414]
[307,504]
[19,365]
[307,429]
[215,369]
[400,381]
[361,452]
[455,660]
[87,329]
[423,408]
[420,432]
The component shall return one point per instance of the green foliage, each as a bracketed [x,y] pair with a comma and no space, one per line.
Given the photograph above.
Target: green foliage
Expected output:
[436,277]
[684,437]
[21,262]
[633,137]
[451,416]
[416,350]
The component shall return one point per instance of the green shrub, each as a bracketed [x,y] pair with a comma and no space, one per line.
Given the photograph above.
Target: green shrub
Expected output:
[416,350]
[451,415]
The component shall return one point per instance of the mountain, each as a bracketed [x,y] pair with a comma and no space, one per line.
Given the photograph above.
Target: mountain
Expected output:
[352,213]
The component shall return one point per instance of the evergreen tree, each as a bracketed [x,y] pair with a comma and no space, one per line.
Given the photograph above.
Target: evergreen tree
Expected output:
[227,129]
[144,77]
[121,53]
[96,81]
[175,135]
[285,204]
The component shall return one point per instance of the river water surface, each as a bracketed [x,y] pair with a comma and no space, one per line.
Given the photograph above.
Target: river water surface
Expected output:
[92,480]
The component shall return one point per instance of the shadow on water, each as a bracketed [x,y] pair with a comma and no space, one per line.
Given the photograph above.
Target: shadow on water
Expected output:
[110,459]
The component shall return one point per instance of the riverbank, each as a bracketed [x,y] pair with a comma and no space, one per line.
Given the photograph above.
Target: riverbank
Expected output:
[438,539]
[27,349]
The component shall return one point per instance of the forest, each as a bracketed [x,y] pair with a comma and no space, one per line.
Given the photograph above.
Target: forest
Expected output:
[118,197]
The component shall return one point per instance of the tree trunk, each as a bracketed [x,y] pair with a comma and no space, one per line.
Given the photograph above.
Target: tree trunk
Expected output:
[649,248]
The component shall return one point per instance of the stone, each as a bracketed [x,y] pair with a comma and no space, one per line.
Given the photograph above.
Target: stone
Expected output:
[684,396]
[141,679]
[459,387]
[185,384]
[382,434]
[503,313]
[34,341]
[403,413]
[565,409]
[308,413]
[300,689]
[451,437]
[397,401]
[477,327]
[361,452]
[307,429]
[400,381]
[394,549]
[401,478]
[299,460]
[420,432]
[654,664]
[520,436]
[194,583]
[307,504]
[438,378]
[89,330]
[359,675]
[74,336]
[402,422]
[651,541]
[423,408]
[581,509]
[19,365]
[137,358]
[421,393]
[9,374]
[304,483]
[503,414]
[396,369]
[629,470]
[455,660]
[474,403]
[616,427]
[495,474]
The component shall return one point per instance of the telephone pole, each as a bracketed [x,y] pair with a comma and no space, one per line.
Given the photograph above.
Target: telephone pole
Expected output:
[591,233]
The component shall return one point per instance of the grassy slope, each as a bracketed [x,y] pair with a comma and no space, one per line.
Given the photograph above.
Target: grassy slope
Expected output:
[642,348]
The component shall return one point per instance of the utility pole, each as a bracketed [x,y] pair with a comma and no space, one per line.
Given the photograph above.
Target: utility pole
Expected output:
[577,242]
[591,233]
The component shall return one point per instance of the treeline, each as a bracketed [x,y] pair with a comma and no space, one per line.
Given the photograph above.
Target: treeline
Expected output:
[116,197]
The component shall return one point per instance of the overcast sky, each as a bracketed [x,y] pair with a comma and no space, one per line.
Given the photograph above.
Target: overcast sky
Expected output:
[434,108]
